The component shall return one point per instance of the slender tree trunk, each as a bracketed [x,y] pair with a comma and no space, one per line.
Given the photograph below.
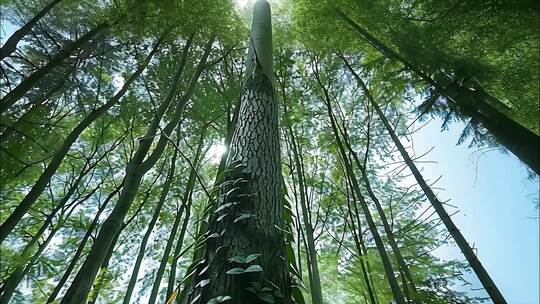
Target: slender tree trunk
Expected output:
[185,205]
[245,243]
[80,249]
[11,283]
[104,267]
[135,170]
[15,278]
[315,288]
[462,243]
[394,285]
[60,206]
[362,254]
[157,210]
[171,281]
[387,229]
[11,44]
[37,105]
[522,142]
[362,242]
[29,82]
[99,281]
[27,202]
[186,201]
[166,253]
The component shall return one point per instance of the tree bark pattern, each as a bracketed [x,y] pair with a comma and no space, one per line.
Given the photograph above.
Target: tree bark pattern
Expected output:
[249,217]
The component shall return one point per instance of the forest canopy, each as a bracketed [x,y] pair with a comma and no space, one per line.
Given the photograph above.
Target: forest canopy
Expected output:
[202,151]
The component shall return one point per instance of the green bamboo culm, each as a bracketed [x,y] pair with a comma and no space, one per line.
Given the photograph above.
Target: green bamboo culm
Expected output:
[260,42]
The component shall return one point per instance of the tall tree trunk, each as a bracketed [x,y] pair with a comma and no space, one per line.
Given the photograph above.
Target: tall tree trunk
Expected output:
[185,205]
[522,142]
[361,240]
[29,82]
[157,210]
[462,243]
[394,285]
[135,170]
[104,267]
[171,281]
[9,224]
[387,229]
[244,247]
[315,288]
[187,201]
[11,44]
[360,247]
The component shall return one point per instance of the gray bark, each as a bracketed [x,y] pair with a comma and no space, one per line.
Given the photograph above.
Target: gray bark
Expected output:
[249,217]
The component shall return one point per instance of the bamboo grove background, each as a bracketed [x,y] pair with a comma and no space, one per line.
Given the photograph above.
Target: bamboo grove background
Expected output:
[127,105]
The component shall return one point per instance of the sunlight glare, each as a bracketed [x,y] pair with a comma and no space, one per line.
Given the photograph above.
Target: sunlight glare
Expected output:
[215,152]
[241,3]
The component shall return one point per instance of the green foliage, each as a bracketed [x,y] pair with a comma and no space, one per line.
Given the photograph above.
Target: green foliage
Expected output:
[493,44]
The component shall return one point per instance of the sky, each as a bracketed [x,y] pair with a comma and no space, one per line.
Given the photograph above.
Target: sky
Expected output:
[496,200]
[498,213]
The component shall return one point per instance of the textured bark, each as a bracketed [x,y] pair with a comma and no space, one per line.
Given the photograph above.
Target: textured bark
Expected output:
[210,206]
[522,142]
[462,243]
[255,167]
[29,82]
[249,217]
[394,285]
[11,44]
[9,224]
